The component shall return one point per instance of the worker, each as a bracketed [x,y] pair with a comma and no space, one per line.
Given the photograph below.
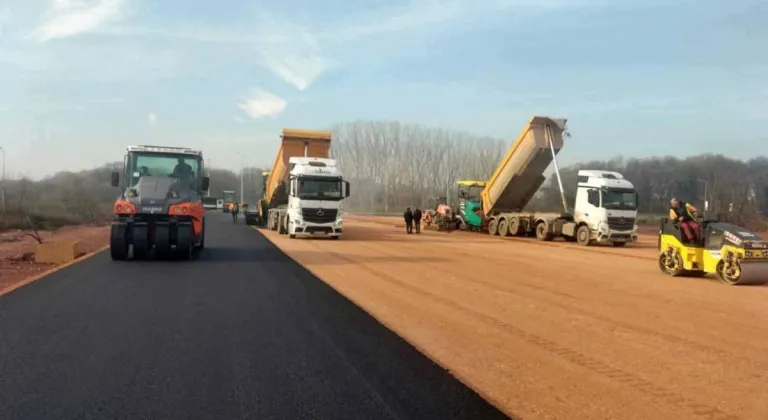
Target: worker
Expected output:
[182,168]
[408,217]
[417,219]
[234,209]
[685,215]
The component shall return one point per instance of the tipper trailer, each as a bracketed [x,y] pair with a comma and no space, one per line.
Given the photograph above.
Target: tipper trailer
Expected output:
[304,190]
[605,210]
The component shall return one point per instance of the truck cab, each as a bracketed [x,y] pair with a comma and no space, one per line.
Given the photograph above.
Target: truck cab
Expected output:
[607,203]
[470,203]
[316,190]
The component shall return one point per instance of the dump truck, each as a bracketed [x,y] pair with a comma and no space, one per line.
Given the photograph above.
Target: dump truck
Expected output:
[605,210]
[304,190]
[160,206]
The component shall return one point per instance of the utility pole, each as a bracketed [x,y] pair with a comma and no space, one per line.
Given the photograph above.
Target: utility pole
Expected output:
[242,170]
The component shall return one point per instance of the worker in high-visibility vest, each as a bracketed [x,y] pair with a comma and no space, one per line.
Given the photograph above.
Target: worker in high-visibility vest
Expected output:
[234,209]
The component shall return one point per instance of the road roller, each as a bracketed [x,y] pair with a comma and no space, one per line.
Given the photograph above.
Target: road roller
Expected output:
[160,209]
[732,253]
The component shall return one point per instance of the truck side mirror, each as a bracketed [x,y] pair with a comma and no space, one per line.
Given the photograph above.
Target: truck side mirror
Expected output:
[115,179]
[346,185]
[206,183]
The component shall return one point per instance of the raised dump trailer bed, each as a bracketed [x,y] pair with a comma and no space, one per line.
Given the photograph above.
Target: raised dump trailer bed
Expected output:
[606,204]
[518,177]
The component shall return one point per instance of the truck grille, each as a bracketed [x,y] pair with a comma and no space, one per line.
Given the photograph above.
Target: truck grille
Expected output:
[621,223]
[319,215]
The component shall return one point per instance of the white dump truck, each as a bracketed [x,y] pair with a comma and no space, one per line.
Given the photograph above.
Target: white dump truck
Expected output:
[303,192]
[605,210]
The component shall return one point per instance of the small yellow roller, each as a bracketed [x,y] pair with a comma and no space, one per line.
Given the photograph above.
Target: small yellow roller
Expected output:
[737,256]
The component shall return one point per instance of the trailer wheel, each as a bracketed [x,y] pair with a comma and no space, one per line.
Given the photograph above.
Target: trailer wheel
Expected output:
[493,227]
[583,235]
[513,226]
[542,234]
[503,229]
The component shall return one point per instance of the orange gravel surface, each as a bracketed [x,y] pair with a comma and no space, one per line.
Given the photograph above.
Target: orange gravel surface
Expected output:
[554,330]
[17,250]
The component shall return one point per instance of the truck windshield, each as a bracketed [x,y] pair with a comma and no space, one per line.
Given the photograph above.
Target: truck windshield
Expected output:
[619,199]
[319,189]
[162,164]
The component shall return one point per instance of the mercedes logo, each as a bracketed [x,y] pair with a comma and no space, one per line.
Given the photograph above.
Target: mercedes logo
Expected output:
[621,220]
[319,212]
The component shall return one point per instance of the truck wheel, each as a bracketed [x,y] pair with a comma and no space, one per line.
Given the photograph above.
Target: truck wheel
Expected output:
[542,234]
[493,227]
[583,235]
[503,229]
[118,242]
[513,226]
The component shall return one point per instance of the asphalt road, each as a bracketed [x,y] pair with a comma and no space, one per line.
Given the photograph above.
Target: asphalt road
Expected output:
[241,332]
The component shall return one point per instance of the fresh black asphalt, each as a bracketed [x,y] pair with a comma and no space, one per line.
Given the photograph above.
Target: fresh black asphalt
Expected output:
[241,332]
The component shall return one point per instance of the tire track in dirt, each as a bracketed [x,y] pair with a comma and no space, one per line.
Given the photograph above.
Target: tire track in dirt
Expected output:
[622,377]
[680,341]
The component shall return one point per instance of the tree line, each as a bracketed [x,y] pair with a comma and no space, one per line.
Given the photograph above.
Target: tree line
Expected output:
[392,165]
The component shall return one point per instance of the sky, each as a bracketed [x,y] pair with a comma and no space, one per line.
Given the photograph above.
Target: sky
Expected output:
[82,79]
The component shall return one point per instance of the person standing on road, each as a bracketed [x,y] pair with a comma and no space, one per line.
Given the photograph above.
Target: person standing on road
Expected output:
[417,220]
[408,217]
[235,209]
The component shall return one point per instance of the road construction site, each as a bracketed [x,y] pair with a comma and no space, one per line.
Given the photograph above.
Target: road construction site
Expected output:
[553,329]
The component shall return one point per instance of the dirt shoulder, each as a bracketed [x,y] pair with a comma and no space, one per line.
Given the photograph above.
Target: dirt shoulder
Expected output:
[555,330]
[17,250]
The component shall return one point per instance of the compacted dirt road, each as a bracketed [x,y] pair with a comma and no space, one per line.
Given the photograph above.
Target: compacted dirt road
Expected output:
[554,330]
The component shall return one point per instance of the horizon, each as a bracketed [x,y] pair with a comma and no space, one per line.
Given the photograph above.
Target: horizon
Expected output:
[82,79]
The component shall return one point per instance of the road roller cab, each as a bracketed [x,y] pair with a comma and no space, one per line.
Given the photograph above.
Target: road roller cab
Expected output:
[160,206]
[735,255]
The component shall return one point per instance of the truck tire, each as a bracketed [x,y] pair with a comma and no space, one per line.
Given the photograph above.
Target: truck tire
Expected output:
[503,228]
[542,234]
[513,226]
[118,242]
[493,227]
[583,235]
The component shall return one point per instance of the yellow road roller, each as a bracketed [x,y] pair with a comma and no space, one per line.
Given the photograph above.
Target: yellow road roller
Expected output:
[737,256]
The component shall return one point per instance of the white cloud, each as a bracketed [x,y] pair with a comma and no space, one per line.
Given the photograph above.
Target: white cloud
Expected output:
[263,104]
[152,118]
[67,18]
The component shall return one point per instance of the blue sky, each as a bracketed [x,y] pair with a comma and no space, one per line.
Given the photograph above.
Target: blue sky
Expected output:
[81,79]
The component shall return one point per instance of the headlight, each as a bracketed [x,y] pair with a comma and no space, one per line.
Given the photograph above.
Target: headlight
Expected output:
[339,221]
[602,227]
[634,228]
